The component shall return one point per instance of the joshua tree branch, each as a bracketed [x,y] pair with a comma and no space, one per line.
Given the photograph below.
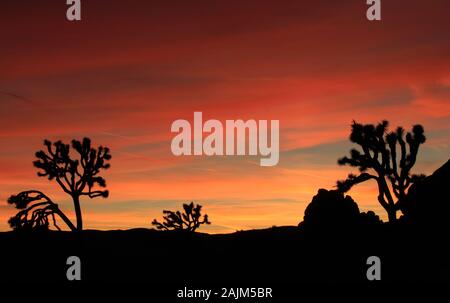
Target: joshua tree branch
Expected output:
[28,201]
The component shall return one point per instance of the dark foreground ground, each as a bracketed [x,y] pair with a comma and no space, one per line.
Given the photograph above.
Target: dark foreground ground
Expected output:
[326,257]
[285,258]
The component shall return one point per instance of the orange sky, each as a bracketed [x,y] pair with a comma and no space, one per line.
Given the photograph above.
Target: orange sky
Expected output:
[124,73]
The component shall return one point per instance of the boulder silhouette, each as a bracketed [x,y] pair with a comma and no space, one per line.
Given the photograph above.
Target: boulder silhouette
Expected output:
[330,210]
[428,203]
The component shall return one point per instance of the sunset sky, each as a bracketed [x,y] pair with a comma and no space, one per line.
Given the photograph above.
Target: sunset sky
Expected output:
[128,69]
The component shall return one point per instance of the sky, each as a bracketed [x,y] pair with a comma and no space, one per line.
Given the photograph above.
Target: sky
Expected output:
[128,69]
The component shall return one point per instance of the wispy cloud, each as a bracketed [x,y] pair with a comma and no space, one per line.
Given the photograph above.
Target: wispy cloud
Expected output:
[11,97]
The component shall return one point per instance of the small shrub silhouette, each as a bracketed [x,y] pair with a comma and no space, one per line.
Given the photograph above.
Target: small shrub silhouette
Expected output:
[379,161]
[77,175]
[189,221]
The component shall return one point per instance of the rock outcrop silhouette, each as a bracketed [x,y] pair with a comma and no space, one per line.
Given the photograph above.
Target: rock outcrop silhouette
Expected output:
[428,201]
[330,210]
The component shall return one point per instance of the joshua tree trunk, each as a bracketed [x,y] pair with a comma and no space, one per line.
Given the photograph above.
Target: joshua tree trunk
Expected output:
[65,219]
[76,203]
[392,214]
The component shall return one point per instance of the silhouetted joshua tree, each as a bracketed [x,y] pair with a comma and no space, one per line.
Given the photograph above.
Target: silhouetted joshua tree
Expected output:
[379,161]
[37,211]
[190,220]
[76,173]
